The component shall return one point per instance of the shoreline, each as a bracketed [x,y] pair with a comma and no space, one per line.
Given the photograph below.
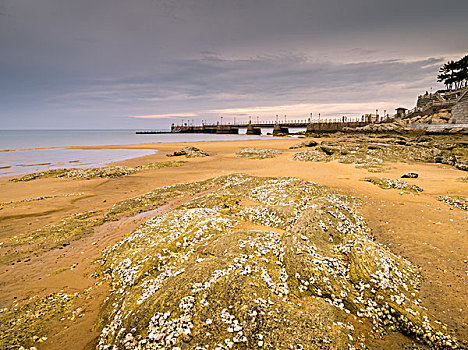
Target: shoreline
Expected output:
[420,228]
[55,161]
[155,146]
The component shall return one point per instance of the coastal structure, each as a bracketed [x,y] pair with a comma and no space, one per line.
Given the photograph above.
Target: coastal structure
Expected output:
[455,101]
[279,128]
[401,112]
[460,109]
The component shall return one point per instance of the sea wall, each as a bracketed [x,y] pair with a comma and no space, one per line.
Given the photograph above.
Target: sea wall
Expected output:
[436,127]
[460,110]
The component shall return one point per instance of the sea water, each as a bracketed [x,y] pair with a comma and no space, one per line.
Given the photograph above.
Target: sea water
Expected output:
[26,151]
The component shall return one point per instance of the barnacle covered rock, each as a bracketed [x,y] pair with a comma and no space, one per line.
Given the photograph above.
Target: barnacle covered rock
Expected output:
[398,184]
[455,201]
[307,143]
[189,152]
[258,263]
[93,173]
[371,155]
[257,153]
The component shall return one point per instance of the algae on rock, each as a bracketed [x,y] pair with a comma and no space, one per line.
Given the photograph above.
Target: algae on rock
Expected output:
[281,268]
[25,325]
[257,153]
[94,173]
[189,152]
[455,201]
[398,184]
[369,154]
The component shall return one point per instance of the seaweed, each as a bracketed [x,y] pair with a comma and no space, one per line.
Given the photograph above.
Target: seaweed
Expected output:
[94,173]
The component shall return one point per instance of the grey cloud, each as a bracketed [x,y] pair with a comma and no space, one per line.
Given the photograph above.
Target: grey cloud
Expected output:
[103,60]
[231,83]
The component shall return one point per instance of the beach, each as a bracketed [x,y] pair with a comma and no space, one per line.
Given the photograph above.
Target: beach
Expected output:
[417,226]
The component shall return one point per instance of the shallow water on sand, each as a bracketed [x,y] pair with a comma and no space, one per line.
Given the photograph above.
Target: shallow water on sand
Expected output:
[19,153]
[19,162]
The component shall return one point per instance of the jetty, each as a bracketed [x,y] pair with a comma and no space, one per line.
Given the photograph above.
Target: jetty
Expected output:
[279,128]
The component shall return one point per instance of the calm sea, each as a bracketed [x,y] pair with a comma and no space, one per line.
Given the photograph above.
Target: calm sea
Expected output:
[22,156]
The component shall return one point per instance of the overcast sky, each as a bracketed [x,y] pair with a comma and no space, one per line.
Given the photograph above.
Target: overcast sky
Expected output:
[148,63]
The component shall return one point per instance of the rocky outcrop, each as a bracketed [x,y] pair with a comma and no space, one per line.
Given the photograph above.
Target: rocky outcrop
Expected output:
[410,176]
[94,173]
[439,117]
[257,153]
[372,155]
[188,152]
[397,184]
[304,144]
[259,263]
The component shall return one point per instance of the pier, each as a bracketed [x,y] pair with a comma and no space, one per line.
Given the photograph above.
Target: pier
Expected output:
[279,128]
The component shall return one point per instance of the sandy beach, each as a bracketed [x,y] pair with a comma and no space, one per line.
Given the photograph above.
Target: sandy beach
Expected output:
[429,233]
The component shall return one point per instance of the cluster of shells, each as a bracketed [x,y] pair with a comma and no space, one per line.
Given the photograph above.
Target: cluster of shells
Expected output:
[397,184]
[257,153]
[455,201]
[291,266]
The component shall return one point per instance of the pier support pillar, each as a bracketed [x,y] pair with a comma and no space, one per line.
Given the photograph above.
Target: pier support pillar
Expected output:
[280,130]
[251,130]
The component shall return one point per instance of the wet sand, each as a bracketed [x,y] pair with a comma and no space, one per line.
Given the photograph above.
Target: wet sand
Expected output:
[429,233]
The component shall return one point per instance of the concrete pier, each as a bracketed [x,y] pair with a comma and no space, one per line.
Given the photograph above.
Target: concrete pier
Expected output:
[278,128]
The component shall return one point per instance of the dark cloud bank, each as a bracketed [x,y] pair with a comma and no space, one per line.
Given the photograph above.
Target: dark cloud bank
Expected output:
[93,64]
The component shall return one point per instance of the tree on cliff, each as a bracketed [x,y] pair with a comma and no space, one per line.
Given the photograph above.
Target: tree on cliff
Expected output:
[454,74]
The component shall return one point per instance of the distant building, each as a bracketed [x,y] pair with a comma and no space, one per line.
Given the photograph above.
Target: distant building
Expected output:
[442,99]
[401,112]
[454,102]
